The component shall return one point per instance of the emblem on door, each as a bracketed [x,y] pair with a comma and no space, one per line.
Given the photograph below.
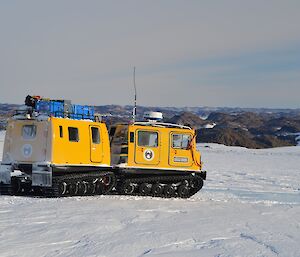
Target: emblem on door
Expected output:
[148,155]
[27,150]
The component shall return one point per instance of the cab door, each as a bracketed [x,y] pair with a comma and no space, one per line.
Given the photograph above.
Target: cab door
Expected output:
[180,154]
[95,144]
[27,140]
[147,147]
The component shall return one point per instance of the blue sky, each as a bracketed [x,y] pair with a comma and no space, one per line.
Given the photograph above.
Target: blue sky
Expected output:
[187,53]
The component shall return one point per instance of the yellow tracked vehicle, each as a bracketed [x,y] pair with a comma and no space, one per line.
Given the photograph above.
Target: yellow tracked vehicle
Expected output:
[155,158]
[54,148]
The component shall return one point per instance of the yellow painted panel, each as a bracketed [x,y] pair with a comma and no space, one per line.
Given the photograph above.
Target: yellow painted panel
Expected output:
[96,146]
[78,151]
[180,157]
[147,148]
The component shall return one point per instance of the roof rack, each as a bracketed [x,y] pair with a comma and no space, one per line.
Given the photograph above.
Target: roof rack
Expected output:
[58,108]
[161,124]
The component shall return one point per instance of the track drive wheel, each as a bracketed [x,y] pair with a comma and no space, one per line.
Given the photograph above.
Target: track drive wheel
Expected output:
[107,183]
[145,188]
[89,187]
[183,191]
[127,188]
[62,188]
[80,188]
[157,189]
[169,191]
[16,186]
[73,188]
[106,180]
[99,187]
[197,183]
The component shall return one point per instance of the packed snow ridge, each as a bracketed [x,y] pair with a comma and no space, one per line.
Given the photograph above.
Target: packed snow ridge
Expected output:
[249,206]
[298,138]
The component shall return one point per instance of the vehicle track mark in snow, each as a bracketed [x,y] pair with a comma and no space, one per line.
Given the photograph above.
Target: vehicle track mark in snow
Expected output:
[190,241]
[251,196]
[61,242]
[5,211]
[146,252]
[256,240]
[161,211]
[190,244]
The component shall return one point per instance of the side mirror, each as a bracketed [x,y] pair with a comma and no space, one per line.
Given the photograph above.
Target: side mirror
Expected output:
[189,145]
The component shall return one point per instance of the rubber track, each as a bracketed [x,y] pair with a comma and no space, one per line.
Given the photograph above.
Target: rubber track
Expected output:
[169,180]
[5,189]
[54,191]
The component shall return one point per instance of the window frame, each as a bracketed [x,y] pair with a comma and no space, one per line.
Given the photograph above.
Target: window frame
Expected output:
[31,126]
[61,131]
[147,131]
[97,142]
[77,132]
[181,144]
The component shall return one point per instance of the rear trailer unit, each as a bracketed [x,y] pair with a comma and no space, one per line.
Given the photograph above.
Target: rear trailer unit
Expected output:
[46,153]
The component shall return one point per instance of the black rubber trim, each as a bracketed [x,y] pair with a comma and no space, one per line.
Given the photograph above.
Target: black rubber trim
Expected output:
[142,171]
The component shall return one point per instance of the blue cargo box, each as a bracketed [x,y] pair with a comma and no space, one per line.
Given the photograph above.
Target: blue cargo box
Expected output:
[65,109]
[42,106]
[55,108]
[83,112]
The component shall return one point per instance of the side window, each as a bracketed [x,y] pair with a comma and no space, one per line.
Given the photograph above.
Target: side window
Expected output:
[120,135]
[180,141]
[112,133]
[131,137]
[29,131]
[147,138]
[61,131]
[185,141]
[95,135]
[176,141]
[73,134]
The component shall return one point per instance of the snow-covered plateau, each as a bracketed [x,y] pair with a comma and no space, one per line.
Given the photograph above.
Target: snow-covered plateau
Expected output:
[249,206]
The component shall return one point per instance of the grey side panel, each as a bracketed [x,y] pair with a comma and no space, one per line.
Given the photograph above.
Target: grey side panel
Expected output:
[41,176]
[5,173]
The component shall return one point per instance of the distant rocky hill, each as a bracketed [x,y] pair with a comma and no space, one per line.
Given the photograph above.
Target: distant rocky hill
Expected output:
[189,119]
[6,110]
[239,137]
[252,130]
[248,127]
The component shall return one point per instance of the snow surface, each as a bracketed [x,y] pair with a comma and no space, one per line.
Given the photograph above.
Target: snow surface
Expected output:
[249,206]
[298,138]
[2,135]
[210,125]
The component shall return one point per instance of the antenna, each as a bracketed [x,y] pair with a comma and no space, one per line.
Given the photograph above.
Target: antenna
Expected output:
[134,108]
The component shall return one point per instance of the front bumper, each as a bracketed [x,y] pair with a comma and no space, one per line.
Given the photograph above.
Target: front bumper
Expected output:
[39,174]
[5,173]
[203,174]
